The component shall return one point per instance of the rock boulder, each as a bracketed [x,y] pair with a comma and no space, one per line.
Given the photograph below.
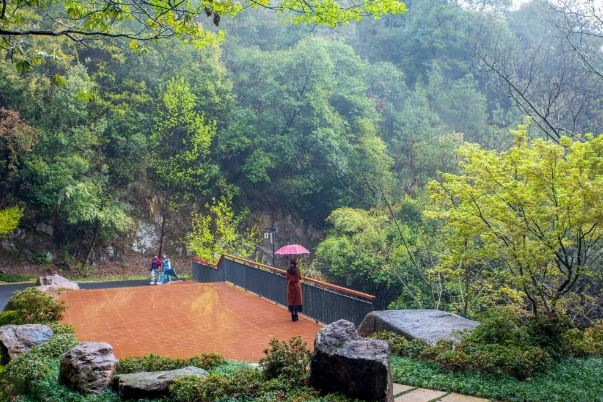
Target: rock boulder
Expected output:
[88,367]
[57,281]
[428,325]
[18,339]
[151,385]
[51,290]
[347,363]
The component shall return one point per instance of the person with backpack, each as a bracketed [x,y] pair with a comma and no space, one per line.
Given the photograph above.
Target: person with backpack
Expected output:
[155,267]
[167,271]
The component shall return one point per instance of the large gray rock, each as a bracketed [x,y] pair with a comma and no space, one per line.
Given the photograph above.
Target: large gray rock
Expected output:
[57,281]
[18,339]
[88,367]
[151,385]
[51,290]
[428,325]
[347,363]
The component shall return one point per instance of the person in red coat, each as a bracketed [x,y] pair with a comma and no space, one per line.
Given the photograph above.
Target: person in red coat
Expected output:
[294,291]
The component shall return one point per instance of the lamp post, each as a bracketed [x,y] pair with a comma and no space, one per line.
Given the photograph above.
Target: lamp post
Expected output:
[270,232]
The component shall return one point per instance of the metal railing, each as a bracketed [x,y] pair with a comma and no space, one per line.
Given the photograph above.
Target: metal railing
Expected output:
[322,301]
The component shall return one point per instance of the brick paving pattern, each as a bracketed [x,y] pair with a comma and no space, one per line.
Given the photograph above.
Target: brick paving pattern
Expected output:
[182,319]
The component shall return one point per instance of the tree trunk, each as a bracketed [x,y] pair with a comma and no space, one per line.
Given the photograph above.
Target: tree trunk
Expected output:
[94,237]
[164,216]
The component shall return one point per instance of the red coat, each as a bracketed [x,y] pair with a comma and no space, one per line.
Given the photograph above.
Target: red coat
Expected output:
[294,292]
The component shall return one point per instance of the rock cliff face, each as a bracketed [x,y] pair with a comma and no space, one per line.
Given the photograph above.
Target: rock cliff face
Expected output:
[36,243]
[288,231]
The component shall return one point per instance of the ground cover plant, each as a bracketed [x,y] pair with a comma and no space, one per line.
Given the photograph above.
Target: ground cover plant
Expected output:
[507,357]
[281,377]
[576,380]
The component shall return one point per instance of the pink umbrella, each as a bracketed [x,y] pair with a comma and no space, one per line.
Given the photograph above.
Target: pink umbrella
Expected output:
[292,249]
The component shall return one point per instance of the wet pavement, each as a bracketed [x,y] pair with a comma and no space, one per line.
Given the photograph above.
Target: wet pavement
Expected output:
[7,290]
[182,319]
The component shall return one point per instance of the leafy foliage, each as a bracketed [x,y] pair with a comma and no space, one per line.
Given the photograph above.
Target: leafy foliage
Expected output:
[245,384]
[30,306]
[9,219]
[152,362]
[532,213]
[218,232]
[286,360]
[585,343]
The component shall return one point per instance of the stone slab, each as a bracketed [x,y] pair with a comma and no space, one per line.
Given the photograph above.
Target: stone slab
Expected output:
[399,388]
[461,398]
[427,325]
[420,395]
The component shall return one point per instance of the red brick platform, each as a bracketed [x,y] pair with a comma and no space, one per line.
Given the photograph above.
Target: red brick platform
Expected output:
[182,319]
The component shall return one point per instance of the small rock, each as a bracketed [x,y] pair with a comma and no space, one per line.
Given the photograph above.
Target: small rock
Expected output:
[427,325]
[347,363]
[88,367]
[58,281]
[151,385]
[45,228]
[18,339]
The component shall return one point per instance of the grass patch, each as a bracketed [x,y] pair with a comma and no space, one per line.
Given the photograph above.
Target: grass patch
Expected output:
[16,278]
[111,278]
[575,380]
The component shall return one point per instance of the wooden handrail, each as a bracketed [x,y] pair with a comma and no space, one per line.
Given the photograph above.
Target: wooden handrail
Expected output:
[283,272]
[315,281]
[207,263]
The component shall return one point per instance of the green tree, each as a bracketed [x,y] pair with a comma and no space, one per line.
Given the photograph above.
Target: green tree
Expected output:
[92,203]
[9,219]
[139,20]
[218,232]
[180,150]
[390,251]
[533,214]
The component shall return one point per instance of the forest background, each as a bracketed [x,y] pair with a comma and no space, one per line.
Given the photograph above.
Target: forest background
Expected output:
[344,138]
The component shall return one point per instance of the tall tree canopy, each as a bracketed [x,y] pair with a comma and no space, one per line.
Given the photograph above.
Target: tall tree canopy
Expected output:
[535,213]
[143,20]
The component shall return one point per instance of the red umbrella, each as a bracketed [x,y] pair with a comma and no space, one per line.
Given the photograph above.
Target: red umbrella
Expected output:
[292,249]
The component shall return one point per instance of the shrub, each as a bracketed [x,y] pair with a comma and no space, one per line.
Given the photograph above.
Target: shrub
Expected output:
[499,327]
[34,307]
[152,362]
[287,360]
[548,332]
[399,345]
[587,343]
[520,362]
[9,317]
[244,382]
